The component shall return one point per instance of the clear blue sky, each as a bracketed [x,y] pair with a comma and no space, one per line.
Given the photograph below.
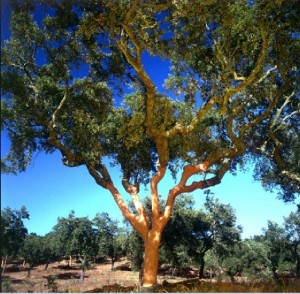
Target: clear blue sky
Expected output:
[50,190]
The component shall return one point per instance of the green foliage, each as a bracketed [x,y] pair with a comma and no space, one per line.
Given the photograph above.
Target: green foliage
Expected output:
[108,237]
[64,78]
[277,245]
[74,236]
[51,283]
[292,228]
[135,250]
[255,259]
[190,234]
[13,231]
[33,250]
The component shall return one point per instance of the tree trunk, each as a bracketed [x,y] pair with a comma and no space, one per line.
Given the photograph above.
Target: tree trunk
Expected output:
[275,274]
[70,260]
[201,266]
[298,267]
[46,266]
[151,256]
[112,263]
[3,264]
[82,275]
[29,271]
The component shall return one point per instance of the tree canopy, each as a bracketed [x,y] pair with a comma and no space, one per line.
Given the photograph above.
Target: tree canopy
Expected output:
[13,230]
[74,79]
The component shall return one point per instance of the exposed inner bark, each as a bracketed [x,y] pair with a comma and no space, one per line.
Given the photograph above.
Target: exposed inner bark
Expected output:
[151,258]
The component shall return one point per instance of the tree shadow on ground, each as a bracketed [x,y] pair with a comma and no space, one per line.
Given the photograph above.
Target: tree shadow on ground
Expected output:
[178,272]
[15,269]
[11,280]
[68,276]
[66,267]
[123,267]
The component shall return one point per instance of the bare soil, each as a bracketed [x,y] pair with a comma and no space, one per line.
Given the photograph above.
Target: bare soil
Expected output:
[67,279]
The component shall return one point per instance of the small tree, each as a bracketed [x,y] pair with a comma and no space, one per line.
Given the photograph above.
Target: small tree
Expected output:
[106,237]
[250,257]
[232,87]
[75,236]
[254,258]
[49,248]
[135,250]
[63,231]
[13,233]
[191,233]
[33,251]
[277,243]
[292,228]
[178,239]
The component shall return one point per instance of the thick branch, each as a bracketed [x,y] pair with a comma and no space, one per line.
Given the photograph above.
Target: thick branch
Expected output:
[188,171]
[100,180]
[133,190]
[182,188]
[180,129]
[158,136]
[154,192]
[293,177]
[131,11]
[59,107]
[135,221]
[69,158]
[209,182]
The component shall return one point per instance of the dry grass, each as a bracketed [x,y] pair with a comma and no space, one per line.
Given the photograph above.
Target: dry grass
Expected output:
[226,287]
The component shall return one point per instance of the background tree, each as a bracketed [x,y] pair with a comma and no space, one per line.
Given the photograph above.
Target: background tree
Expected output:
[249,258]
[230,261]
[13,233]
[106,237]
[33,251]
[135,250]
[75,236]
[255,259]
[177,238]
[50,249]
[191,233]
[233,82]
[276,240]
[63,232]
[292,228]
[222,234]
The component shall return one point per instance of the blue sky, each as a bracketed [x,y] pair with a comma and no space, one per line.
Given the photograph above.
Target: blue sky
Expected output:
[50,190]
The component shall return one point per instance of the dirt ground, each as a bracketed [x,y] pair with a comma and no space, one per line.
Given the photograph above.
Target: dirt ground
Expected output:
[68,279]
[103,279]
